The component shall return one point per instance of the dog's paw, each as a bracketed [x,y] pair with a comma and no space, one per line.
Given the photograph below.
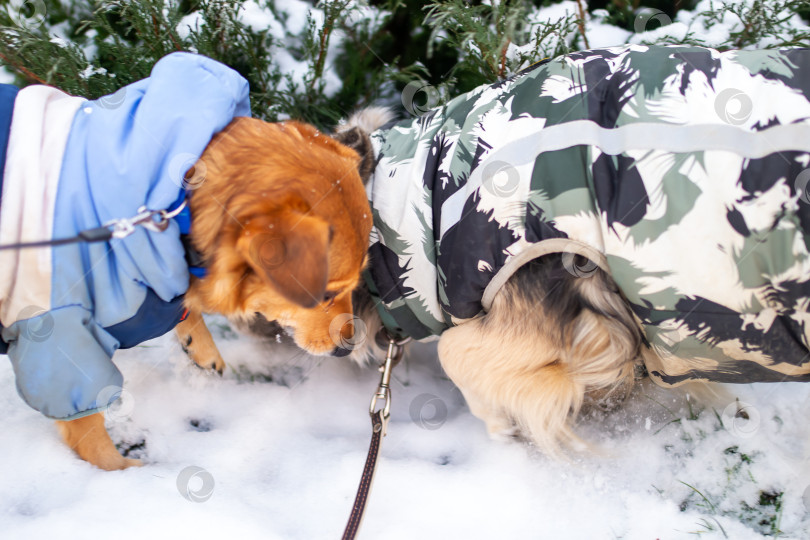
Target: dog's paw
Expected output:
[206,357]
[217,364]
[502,434]
[501,428]
[129,462]
[116,462]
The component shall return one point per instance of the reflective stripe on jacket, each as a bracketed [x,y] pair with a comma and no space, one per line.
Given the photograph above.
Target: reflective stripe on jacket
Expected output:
[679,170]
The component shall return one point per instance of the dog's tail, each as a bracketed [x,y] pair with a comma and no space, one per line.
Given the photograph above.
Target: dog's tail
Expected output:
[354,133]
[368,120]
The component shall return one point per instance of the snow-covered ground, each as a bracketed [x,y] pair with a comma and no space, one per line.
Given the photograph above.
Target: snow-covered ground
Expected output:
[279,443]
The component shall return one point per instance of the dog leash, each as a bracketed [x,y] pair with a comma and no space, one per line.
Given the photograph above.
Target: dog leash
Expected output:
[379,427]
[153,220]
[158,221]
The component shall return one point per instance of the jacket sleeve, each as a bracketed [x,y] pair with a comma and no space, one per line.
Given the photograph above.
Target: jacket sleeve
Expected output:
[62,363]
[122,152]
[132,149]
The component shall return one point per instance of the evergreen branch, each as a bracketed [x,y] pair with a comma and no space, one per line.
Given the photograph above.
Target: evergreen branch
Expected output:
[22,69]
[581,23]
[111,43]
[321,60]
[502,70]
[169,31]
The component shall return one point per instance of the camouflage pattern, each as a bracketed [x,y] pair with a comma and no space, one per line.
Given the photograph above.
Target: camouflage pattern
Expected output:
[679,170]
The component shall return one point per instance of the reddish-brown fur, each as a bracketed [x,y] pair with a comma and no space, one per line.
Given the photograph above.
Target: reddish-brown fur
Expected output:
[267,202]
[266,214]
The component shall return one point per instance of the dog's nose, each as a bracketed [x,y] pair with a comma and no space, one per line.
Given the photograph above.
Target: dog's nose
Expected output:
[340,351]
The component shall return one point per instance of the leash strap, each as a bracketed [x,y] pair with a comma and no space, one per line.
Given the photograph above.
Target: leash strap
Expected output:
[353,526]
[379,427]
[99,234]
[154,220]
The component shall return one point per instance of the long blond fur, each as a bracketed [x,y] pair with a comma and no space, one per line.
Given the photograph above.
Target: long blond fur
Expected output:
[529,364]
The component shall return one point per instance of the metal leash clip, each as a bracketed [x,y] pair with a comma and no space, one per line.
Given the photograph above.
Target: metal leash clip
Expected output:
[392,357]
[153,220]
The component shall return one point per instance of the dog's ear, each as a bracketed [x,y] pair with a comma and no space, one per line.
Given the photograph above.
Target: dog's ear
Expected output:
[359,141]
[289,249]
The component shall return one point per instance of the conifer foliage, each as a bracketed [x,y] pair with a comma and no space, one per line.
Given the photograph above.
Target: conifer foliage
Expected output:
[318,61]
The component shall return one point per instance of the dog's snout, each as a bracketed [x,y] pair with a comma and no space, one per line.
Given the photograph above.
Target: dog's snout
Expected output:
[340,352]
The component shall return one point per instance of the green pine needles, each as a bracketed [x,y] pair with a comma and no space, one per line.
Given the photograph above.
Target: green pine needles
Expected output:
[346,54]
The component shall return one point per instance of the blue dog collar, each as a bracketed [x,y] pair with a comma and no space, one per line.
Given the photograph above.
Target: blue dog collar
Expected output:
[196,263]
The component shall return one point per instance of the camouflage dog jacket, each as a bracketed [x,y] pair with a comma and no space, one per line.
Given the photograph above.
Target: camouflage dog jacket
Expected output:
[681,171]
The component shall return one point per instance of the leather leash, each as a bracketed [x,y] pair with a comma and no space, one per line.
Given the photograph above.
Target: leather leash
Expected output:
[379,427]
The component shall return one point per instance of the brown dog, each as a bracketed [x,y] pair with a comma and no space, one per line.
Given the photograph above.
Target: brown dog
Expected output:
[264,219]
